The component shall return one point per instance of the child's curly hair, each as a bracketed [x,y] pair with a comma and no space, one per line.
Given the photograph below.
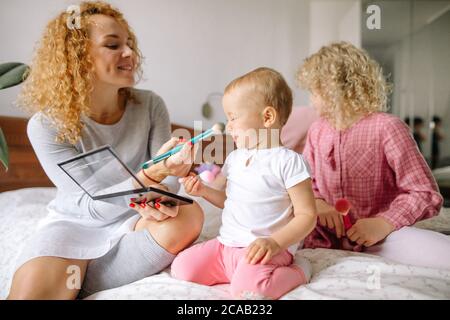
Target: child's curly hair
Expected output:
[347,79]
[59,81]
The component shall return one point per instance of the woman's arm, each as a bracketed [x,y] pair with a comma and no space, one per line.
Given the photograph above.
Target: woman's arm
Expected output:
[160,133]
[50,153]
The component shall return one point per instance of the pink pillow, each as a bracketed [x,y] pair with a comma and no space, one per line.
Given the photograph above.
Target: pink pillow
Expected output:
[293,134]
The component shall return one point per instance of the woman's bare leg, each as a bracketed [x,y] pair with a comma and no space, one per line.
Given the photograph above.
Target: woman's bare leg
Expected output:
[175,234]
[48,278]
[57,278]
[148,250]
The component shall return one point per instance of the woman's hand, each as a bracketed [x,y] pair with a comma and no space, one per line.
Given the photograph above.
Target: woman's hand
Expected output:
[154,209]
[181,162]
[369,231]
[178,164]
[329,217]
[193,185]
[262,249]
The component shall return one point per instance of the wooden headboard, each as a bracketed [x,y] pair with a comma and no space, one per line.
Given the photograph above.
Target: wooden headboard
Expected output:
[24,168]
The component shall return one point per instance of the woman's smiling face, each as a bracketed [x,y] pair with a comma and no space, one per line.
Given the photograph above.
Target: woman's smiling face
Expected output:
[111,51]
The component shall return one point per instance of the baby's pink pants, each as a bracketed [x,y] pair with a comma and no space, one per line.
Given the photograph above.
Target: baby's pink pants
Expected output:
[211,263]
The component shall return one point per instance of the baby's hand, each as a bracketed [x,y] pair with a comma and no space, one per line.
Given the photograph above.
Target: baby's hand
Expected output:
[193,185]
[262,248]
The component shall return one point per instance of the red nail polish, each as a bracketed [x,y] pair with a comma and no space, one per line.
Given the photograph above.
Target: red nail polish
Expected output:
[157,200]
[142,205]
[157,205]
[132,205]
[190,143]
[133,199]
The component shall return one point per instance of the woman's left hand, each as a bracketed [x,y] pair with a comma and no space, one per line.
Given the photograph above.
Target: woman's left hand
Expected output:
[369,231]
[154,209]
[262,249]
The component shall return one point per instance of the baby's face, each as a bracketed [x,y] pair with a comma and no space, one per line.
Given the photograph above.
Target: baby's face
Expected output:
[244,115]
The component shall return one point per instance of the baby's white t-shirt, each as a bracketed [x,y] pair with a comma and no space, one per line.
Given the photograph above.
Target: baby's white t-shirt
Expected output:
[258,203]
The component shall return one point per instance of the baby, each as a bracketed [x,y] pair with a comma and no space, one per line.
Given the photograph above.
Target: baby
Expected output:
[268,205]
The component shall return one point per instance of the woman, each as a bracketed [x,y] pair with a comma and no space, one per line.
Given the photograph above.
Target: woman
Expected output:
[358,152]
[80,88]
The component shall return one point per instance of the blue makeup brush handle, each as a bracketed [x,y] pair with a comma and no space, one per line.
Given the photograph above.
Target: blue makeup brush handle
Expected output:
[171,152]
[167,154]
[201,136]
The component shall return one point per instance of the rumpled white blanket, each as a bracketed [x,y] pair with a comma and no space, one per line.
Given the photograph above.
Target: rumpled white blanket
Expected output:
[336,274]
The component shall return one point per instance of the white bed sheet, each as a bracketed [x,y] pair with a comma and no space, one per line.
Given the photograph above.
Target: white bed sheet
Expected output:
[336,274]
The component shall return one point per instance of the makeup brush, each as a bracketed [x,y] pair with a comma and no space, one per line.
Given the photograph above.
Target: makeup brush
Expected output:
[216,129]
[343,207]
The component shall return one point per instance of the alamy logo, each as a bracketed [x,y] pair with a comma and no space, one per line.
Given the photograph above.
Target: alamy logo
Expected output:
[374,19]
[374,280]
[74,278]
[74,18]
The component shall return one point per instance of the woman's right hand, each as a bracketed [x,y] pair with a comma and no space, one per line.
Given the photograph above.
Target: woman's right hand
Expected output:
[178,164]
[329,217]
[181,162]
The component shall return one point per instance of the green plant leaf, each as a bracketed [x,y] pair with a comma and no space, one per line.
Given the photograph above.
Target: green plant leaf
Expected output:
[3,150]
[12,73]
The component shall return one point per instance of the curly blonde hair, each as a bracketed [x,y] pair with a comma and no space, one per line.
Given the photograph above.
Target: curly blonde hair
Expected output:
[347,79]
[60,78]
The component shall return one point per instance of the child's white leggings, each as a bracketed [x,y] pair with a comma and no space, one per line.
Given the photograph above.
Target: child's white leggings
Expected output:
[415,246]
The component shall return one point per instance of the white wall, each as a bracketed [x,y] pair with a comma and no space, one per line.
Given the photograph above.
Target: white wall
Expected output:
[21,23]
[424,90]
[195,47]
[192,47]
[333,20]
[350,23]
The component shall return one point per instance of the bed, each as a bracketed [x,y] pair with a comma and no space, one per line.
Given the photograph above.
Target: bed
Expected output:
[336,274]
